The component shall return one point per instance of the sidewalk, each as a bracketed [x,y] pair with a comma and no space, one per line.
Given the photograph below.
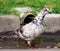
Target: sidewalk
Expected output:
[40,49]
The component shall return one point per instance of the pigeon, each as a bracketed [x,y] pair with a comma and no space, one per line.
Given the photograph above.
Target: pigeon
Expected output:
[35,28]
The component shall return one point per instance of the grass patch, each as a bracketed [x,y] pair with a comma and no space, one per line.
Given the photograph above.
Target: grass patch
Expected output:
[7,5]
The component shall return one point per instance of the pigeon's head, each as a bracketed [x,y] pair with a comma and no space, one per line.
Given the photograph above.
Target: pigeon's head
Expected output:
[46,11]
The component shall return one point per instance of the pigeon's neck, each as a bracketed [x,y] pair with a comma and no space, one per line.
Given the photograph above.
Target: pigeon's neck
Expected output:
[40,15]
[39,18]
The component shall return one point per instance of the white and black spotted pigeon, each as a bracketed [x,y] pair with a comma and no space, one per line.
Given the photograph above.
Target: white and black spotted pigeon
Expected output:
[33,29]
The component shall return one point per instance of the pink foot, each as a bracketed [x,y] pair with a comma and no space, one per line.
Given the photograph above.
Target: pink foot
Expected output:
[33,47]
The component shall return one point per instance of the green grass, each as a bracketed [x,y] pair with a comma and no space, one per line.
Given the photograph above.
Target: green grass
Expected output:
[7,5]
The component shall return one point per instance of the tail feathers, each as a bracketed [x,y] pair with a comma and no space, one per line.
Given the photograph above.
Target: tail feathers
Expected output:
[16,31]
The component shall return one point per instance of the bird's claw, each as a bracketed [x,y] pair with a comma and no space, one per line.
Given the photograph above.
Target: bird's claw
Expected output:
[33,47]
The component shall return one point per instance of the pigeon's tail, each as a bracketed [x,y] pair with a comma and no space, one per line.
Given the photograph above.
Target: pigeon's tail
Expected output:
[20,34]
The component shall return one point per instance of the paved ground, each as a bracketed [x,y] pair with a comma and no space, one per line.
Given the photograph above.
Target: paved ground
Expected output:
[30,49]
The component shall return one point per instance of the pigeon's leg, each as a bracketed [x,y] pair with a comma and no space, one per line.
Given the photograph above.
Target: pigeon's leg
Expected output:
[30,45]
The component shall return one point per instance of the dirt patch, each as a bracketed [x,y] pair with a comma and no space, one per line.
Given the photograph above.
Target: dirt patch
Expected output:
[11,42]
